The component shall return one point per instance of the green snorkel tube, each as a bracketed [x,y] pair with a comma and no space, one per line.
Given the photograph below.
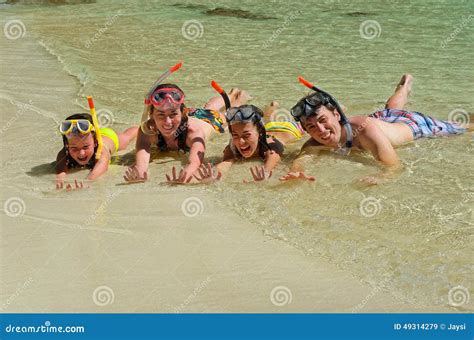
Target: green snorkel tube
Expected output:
[344,121]
[152,89]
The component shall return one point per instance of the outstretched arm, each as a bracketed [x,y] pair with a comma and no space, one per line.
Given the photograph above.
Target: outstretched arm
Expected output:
[297,167]
[101,165]
[61,168]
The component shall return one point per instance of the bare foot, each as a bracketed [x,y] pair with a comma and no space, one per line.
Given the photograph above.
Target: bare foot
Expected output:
[238,97]
[269,110]
[406,81]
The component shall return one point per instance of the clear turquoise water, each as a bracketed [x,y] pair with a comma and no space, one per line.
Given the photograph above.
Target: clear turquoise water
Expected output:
[419,243]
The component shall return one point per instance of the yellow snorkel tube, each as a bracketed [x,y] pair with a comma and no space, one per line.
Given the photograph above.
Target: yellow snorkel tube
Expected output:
[146,112]
[95,122]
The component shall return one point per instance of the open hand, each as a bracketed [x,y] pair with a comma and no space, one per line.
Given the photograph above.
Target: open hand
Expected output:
[132,175]
[208,174]
[259,174]
[297,175]
[182,178]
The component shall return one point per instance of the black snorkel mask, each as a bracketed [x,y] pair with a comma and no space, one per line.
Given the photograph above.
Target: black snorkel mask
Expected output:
[243,113]
[305,107]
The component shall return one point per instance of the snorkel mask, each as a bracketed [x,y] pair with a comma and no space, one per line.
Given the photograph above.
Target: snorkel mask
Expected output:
[167,98]
[306,107]
[243,113]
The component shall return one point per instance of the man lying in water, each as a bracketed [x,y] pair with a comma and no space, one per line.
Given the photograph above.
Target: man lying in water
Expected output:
[323,119]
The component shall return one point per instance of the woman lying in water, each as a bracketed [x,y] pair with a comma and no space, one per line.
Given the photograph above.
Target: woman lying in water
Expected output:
[249,141]
[171,126]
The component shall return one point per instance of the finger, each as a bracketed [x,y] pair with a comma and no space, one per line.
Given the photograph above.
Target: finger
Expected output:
[182,175]
[199,179]
[82,185]
[219,175]
[262,172]
[189,179]
[173,171]
[209,168]
[201,173]
[254,175]
[270,175]
[145,176]
[76,184]
[168,178]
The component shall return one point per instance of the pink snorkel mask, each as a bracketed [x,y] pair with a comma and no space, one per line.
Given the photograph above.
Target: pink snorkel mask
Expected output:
[167,98]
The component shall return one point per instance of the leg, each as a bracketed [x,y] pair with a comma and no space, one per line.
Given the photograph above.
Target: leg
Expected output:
[216,103]
[269,110]
[399,99]
[127,136]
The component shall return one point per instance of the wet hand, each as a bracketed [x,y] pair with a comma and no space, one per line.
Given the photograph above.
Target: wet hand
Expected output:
[297,175]
[77,185]
[259,174]
[132,175]
[370,180]
[182,178]
[208,174]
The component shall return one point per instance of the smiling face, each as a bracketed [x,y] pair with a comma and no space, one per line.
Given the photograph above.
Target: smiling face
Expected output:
[81,148]
[324,126]
[245,138]
[167,120]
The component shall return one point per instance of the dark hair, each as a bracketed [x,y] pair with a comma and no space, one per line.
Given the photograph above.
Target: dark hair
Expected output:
[321,100]
[257,120]
[71,162]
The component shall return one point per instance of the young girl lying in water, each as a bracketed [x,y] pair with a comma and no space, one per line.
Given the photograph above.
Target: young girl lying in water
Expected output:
[80,148]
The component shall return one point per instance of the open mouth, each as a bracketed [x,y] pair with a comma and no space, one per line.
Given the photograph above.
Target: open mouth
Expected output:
[82,159]
[326,135]
[168,128]
[245,150]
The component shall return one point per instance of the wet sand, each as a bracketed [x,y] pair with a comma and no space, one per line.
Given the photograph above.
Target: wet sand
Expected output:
[115,248]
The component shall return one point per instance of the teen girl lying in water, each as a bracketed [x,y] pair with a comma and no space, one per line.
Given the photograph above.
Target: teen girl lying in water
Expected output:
[249,141]
[171,126]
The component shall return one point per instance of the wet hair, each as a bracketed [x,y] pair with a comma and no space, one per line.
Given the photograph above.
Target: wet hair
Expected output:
[257,120]
[321,100]
[71,162]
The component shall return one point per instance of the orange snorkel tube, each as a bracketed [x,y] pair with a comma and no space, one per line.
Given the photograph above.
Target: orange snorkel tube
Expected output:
[221,91]
[152,89]
[95,122]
